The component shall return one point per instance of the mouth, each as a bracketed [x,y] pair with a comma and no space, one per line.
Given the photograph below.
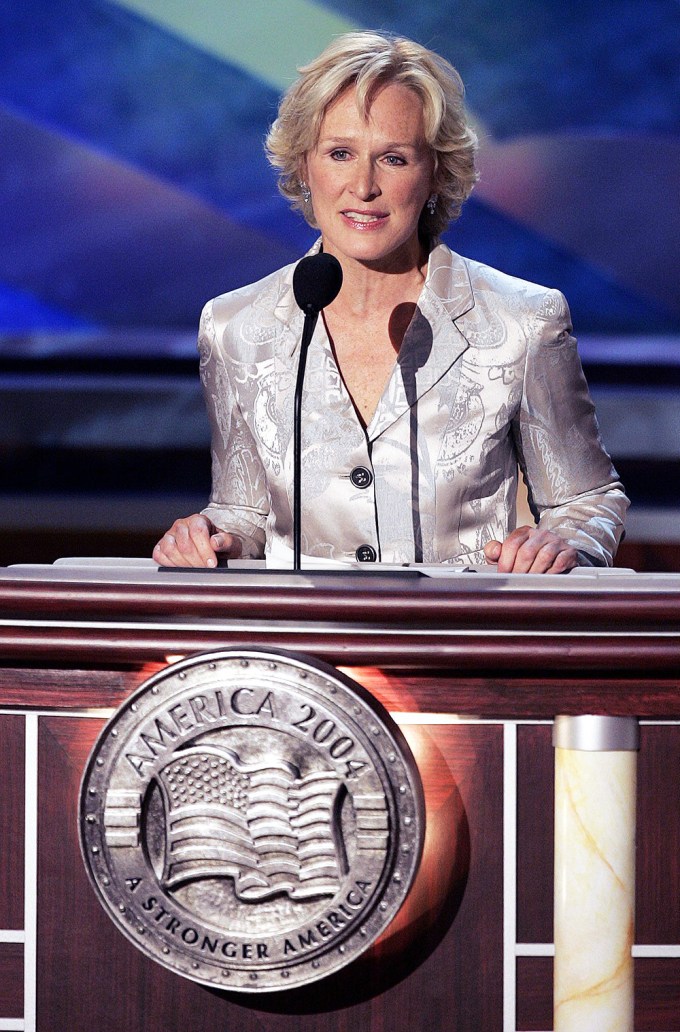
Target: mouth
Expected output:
[364,219]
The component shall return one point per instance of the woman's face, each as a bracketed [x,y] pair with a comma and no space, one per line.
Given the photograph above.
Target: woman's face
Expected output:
[370,179]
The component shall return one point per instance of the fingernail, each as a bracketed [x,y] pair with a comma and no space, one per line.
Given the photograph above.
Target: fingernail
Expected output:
[212,562]
[217,540]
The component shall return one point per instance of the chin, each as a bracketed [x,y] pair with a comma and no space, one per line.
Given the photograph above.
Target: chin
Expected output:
[375,250]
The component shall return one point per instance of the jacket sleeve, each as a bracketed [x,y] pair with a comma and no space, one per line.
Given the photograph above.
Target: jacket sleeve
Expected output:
[573,487]
[239,500]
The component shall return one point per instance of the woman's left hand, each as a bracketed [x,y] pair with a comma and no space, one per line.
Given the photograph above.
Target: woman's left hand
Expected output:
[531,550]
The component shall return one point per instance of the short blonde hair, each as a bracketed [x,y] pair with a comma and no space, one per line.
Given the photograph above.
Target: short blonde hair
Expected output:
[367,61]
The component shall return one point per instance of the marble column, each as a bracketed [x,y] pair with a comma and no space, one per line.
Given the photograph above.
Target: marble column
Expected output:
[595,776]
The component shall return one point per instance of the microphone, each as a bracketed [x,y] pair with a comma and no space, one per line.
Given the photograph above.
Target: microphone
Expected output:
[316,283]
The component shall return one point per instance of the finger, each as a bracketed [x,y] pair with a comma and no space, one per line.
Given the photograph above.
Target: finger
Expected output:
[512,559]
[543,551]
[559,560]
[228,545]
[187,543]
[492,551]
[193,540]
[168,553]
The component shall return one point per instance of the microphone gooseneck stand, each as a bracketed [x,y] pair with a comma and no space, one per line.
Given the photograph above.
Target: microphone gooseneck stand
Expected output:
[307,333]
[316,283]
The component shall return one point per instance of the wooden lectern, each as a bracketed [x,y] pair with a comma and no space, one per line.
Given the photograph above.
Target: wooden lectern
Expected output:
[474,667]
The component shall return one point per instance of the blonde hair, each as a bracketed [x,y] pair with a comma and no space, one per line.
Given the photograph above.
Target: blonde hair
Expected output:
[367,61]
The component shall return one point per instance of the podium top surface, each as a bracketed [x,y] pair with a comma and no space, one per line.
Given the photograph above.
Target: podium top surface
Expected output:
[369,577]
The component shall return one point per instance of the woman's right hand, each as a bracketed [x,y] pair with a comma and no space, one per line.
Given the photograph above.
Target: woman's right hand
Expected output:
[195,541]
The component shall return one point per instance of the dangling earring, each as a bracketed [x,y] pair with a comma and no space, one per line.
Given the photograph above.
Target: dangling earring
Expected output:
[305,191]
[432,203]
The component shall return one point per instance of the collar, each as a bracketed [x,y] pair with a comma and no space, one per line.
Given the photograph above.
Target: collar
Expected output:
[446,296]
[447,292]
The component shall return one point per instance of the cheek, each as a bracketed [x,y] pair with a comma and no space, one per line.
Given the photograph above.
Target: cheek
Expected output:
[415,197]
[324,182]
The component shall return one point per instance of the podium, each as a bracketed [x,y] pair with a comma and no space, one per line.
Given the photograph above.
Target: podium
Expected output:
[474,668]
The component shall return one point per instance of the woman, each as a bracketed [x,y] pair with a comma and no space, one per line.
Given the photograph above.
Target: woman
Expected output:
[429,378]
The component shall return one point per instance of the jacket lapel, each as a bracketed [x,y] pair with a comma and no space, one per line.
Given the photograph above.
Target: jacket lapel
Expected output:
[433,342]
[287,312]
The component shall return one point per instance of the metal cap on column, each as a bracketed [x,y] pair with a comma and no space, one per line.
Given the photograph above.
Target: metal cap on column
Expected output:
[590,733]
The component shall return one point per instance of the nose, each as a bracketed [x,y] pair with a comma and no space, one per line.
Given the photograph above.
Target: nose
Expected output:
[365,184]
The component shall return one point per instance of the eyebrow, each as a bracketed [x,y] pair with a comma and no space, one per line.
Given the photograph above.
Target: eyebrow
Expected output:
[339,141]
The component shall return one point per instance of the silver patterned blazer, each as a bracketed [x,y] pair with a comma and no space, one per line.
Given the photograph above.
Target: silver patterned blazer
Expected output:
[487,380]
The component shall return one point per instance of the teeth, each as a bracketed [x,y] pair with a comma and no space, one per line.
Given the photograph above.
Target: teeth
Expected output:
[361,216]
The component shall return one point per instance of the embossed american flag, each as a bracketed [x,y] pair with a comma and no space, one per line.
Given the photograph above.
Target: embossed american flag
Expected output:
[261,824]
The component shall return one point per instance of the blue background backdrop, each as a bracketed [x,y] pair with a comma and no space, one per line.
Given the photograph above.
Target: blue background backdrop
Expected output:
[133,184]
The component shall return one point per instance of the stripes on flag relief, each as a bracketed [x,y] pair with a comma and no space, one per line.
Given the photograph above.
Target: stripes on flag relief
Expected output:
[121,818]
[372,821]
[262,824]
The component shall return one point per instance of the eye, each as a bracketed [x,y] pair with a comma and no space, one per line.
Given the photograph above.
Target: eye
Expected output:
[340,154]
[394,159]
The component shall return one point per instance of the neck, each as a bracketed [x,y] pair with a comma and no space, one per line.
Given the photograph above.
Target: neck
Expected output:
[368,286]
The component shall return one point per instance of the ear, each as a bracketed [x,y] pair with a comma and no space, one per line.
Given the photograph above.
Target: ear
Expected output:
[434,175]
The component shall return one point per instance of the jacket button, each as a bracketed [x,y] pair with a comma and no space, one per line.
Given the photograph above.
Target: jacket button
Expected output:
[366,554]
[361,477]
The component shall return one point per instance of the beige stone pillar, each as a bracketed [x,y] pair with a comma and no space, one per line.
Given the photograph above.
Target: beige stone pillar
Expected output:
[595,780]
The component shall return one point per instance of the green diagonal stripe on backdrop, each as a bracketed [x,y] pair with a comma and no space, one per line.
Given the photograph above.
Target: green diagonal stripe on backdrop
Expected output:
[267,38]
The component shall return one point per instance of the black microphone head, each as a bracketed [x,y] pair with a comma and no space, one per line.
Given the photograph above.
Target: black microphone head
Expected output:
[316,282]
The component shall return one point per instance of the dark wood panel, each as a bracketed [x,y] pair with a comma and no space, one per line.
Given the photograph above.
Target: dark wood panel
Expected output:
[534,994]
[66,688]
[657,878]
[657,994]
[513,697]
[11,980]
[443,956]
[12,777]
[447,690]
[535,833]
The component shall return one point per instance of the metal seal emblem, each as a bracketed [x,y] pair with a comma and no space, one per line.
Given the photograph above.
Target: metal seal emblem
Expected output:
[251,819]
